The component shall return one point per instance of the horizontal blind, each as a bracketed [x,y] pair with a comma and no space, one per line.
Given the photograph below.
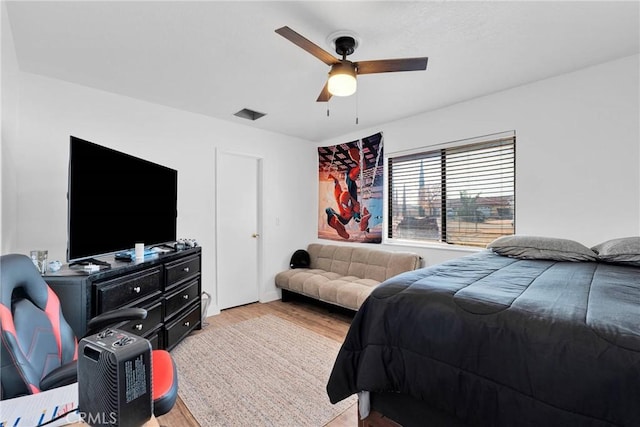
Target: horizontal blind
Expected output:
[460,195]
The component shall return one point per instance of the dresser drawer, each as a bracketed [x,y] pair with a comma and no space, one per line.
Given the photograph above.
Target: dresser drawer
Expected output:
[179,328]
[155,339]
[181,298]
[178,271]
[127,289]
[142,327]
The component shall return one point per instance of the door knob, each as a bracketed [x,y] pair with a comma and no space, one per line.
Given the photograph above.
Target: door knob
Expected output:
[255,235]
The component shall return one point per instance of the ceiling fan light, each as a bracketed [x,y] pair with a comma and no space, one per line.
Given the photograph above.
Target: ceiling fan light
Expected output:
[342,80]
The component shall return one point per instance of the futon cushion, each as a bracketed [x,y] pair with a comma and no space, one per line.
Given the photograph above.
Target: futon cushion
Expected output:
[345,275]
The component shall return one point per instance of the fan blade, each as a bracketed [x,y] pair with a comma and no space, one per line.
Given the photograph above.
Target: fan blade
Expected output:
[307,45]
[324,96]
[391,65]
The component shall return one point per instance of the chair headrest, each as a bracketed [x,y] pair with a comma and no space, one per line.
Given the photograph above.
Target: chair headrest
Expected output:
[18,271]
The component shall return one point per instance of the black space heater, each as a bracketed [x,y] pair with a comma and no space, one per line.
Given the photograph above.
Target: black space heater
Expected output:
[114,379]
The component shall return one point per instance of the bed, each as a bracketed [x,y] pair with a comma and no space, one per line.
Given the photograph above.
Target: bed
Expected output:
[521,334]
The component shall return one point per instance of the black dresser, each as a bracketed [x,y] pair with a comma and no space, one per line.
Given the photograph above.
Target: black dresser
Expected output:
[168,286]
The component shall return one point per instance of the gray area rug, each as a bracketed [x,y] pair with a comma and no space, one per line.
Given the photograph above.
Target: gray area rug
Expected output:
[258,372]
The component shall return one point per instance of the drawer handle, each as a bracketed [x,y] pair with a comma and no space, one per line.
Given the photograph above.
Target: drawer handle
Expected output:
[136,289]
[186,269]
[138,327]
[185,296]
[187,324]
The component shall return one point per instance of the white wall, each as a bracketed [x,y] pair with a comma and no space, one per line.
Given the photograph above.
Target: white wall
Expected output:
[9,109]
[51,110]
[578,150]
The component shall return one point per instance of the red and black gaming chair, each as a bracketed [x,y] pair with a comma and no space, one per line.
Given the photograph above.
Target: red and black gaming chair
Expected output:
[39,349]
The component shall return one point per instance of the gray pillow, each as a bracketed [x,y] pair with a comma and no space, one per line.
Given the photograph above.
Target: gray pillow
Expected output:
[535,247]
[625,250]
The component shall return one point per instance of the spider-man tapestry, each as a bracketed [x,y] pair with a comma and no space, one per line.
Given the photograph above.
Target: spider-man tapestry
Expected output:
[350,190]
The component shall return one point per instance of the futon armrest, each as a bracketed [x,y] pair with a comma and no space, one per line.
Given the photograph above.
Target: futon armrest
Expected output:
[64,375]
[115,316]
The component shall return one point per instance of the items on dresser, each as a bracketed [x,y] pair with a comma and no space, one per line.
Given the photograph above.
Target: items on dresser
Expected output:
[168,286]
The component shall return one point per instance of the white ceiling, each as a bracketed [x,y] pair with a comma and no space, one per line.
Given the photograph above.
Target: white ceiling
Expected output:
[215,58]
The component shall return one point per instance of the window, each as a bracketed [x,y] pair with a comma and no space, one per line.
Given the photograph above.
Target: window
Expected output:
[462,194]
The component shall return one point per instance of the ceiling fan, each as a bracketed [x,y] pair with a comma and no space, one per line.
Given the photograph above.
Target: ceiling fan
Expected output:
[342,77]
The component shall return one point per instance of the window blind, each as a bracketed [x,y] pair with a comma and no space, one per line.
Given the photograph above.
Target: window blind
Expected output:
[463,195]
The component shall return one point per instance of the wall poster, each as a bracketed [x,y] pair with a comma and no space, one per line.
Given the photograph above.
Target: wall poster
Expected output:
[350,190]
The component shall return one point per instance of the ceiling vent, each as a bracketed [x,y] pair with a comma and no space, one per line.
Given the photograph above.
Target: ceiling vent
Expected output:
[248,114]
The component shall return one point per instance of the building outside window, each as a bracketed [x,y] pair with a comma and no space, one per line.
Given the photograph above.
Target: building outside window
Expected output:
[460,193]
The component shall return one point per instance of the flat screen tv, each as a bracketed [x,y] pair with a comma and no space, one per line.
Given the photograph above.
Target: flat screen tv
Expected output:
[116,200]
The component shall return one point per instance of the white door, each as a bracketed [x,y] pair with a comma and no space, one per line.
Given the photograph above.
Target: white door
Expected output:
[238,243]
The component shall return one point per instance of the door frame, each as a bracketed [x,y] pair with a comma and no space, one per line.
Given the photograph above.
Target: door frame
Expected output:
[259,220]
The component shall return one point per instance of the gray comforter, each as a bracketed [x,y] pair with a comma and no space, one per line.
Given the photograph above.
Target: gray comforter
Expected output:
[502,342]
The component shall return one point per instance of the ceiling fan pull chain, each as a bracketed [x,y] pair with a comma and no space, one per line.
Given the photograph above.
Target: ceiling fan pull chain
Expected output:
[357,107]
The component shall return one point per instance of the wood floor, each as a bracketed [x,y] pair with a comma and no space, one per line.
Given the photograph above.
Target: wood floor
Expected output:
[331,324]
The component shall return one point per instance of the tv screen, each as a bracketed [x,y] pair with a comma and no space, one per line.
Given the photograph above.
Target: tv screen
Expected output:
[116,200]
